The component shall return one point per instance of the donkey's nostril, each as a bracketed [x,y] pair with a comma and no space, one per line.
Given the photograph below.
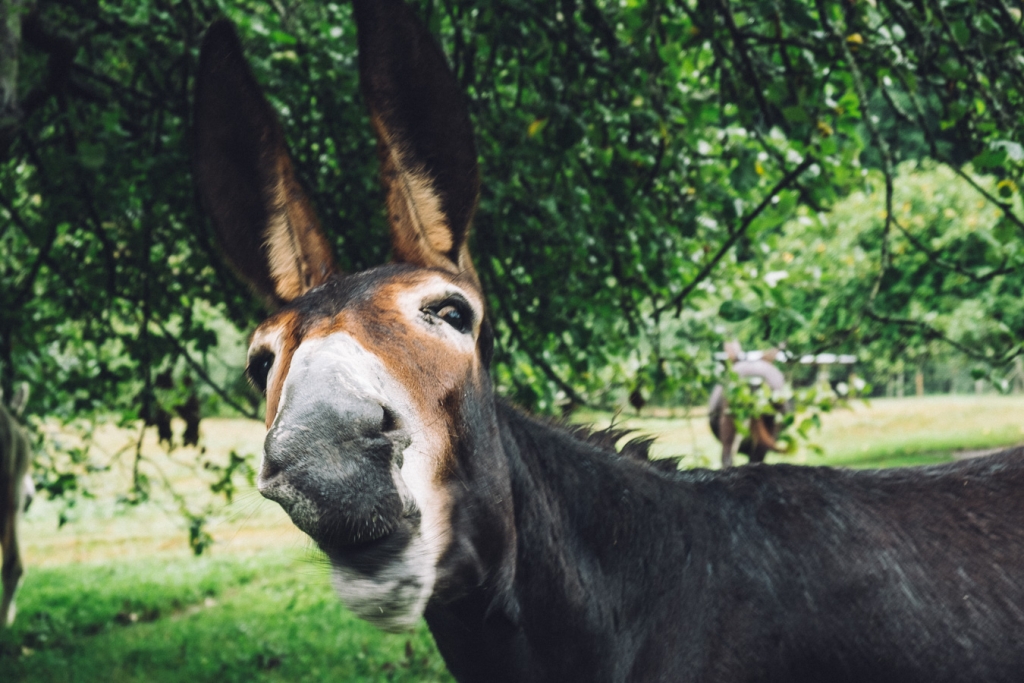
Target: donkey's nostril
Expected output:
[390,421]
[270,469]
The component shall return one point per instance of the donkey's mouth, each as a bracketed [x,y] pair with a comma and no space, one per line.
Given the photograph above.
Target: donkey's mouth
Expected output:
[359,523]
[372,553]
[364,542]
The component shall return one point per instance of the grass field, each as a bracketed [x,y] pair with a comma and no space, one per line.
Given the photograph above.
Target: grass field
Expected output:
[263,616]
[117,596]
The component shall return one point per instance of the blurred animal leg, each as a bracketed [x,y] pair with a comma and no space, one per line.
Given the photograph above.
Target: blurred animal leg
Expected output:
[727,431]
[10,574]
[28,492]
[759,447]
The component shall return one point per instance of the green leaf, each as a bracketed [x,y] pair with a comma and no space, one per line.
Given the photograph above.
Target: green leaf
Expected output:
[92,156]
[795,114]
[990,158]
[283,38]
[734,310]
[960,32]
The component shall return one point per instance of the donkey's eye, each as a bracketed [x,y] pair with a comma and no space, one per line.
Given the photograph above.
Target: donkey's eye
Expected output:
[258,369]
[453,311]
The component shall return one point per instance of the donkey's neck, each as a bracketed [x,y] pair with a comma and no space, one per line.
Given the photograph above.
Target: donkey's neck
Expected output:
[586,519]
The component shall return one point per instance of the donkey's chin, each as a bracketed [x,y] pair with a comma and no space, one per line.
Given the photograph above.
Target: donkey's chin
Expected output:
[387,581]
[383,573]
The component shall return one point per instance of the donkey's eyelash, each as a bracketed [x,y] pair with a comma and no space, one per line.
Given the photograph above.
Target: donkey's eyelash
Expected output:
[454,310]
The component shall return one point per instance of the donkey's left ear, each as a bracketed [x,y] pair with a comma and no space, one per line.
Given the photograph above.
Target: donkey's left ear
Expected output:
[425,139]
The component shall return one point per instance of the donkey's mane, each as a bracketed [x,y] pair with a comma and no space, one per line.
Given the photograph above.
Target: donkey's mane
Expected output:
[607,439]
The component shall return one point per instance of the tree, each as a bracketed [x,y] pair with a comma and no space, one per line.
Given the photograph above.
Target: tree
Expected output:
[640,162]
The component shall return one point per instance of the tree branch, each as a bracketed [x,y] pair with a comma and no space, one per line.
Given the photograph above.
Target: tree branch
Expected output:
[519,337]
[933,146]
[747,64]
[932,333]
[180,348]
[934,257]
[734,235]
[27,282]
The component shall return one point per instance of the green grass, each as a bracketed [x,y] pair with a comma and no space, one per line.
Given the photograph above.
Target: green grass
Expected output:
[895,432]
[267,617]
[116,595]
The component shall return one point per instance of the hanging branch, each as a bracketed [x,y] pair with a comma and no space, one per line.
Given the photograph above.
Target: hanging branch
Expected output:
[747,65]
[517,333]
[932,333]
[180,348]
[933,147]
[138,487]
[935,258]
[43,255]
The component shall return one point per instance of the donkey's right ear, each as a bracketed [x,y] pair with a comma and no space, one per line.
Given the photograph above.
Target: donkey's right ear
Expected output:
[265,224]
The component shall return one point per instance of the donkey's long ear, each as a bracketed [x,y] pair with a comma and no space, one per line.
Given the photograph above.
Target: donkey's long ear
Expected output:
[264,221]
[425,140]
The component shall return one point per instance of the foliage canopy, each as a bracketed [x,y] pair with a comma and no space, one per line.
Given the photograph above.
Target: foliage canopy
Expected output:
[646,165]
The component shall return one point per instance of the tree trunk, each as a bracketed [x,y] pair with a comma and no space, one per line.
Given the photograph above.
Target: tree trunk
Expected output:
[919,382]
[11,12]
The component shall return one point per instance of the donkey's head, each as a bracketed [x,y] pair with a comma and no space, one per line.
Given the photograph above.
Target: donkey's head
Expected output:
[377,382]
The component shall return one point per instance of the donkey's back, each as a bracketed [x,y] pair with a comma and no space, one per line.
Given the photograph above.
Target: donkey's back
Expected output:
[814,574]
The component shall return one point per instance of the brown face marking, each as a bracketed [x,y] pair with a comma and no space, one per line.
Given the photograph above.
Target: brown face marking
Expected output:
[277,335]
[428,356]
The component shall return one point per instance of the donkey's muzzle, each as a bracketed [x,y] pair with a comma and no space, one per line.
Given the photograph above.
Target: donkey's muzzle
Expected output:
[331,462]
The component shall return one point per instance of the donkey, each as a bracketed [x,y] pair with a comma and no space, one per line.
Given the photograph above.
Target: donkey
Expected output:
[764,430]
[534,551]
[16,492]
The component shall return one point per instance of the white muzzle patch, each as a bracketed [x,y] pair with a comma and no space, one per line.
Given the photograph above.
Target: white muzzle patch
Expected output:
[394,597]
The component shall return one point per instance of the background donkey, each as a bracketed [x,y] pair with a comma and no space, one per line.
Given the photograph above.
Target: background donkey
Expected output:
[763,429]
[16,491]
[538,553]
